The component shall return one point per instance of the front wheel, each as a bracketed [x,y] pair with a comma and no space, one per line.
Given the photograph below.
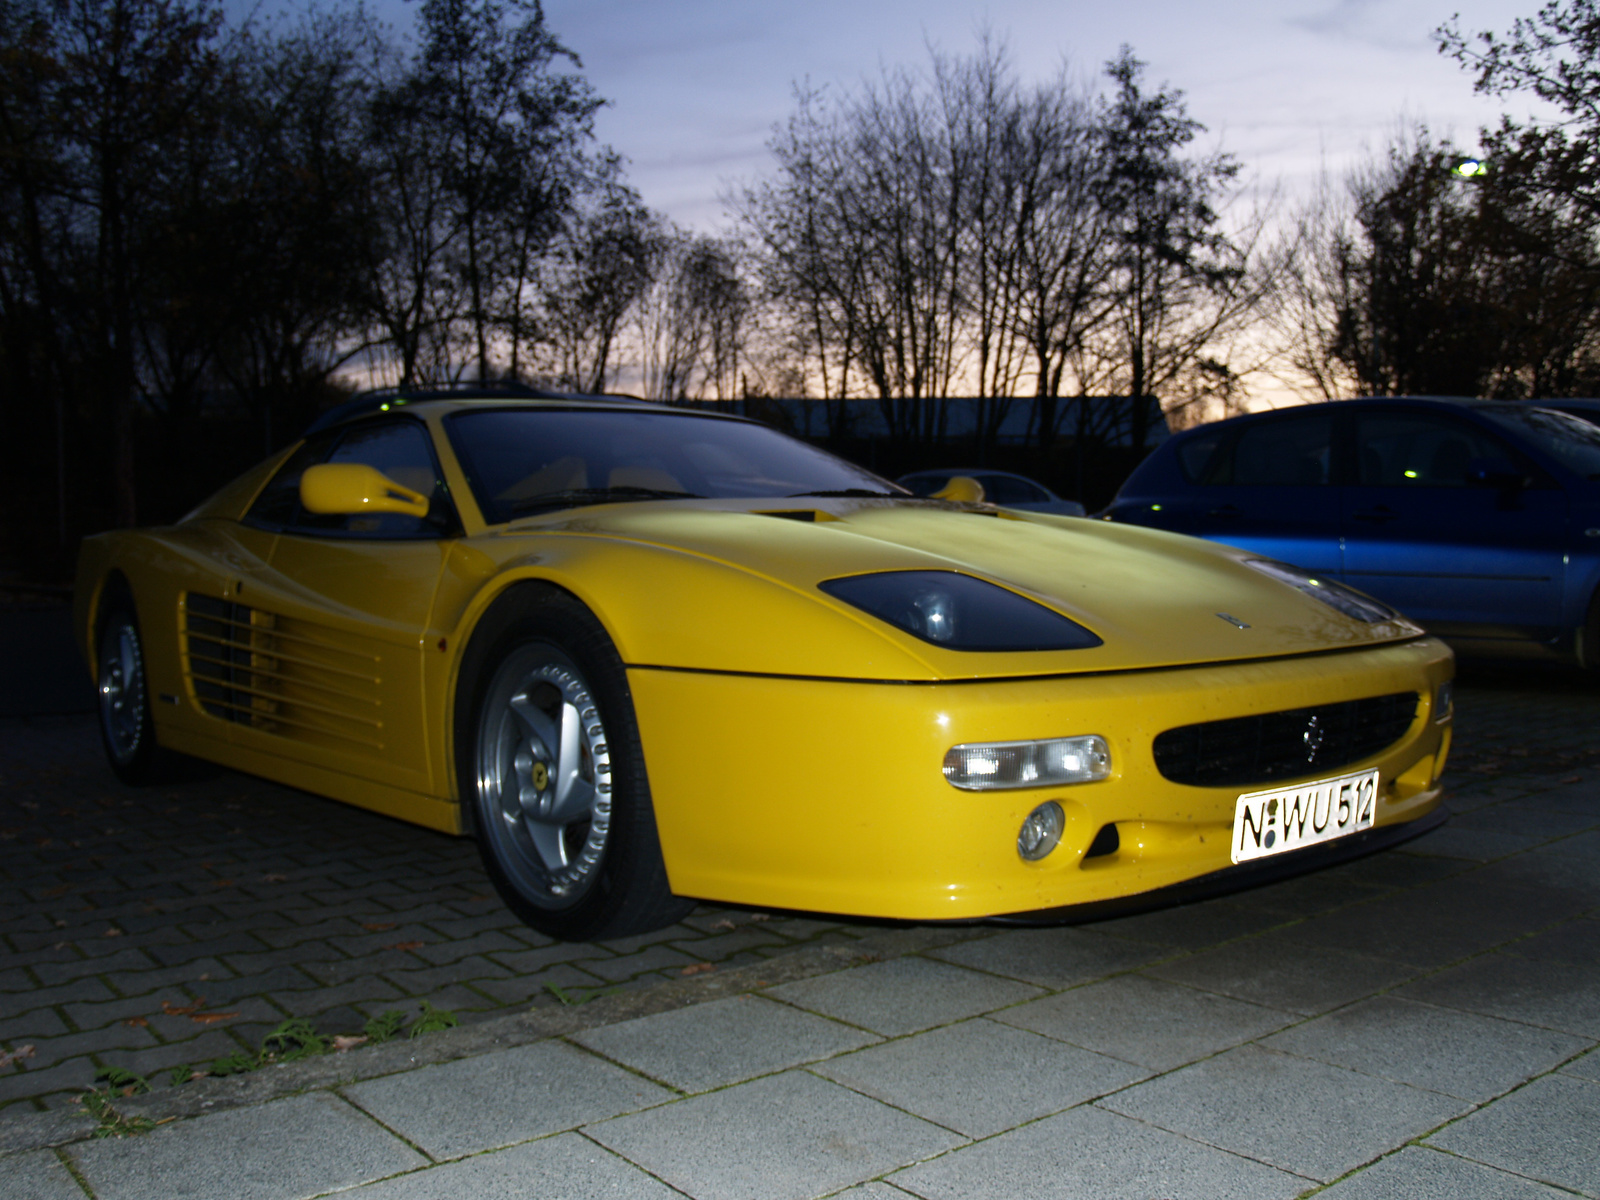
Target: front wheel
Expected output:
[552,769]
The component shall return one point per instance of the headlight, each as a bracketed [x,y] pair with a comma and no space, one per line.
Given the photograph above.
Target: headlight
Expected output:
[960,612]
[990,766]
[1336,595]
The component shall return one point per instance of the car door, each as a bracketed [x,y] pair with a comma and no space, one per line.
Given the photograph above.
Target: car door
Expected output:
[323,655]
[1470,559]
[1266,486]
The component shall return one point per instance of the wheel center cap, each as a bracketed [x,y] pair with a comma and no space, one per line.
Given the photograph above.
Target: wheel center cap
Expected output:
[540,776]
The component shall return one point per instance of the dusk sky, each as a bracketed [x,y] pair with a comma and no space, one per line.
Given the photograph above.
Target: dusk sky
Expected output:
[1286,86]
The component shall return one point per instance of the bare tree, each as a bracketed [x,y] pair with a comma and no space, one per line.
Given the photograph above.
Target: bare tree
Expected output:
[1180,283]
[595,274]
[690,320]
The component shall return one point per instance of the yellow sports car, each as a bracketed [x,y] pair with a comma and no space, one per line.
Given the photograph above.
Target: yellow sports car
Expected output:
[649,655]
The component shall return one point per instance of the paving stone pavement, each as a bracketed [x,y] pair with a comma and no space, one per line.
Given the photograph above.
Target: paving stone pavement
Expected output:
[1421,1023]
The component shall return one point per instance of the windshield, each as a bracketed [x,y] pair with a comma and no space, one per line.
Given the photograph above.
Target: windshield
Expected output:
[1572,442]
[522,461]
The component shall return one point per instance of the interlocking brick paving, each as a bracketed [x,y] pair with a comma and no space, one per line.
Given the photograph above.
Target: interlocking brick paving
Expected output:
[143,928]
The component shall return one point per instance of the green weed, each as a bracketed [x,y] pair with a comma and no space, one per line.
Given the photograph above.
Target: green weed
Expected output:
[432,1020]
[384,1026]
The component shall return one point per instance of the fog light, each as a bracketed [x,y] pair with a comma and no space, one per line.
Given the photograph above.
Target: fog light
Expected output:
[987,766]
[1444,701]
[1041,832]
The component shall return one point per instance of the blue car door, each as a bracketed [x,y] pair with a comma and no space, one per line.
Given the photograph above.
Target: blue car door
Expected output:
[1455,554]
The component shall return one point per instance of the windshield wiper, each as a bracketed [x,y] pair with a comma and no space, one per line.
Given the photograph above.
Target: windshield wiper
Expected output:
[577,497]
[844,492]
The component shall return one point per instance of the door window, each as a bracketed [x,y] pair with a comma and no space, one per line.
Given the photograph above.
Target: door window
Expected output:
[1289,452]
[1420,450]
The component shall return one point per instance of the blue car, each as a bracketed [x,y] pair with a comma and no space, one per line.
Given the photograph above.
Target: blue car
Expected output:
[1480,519]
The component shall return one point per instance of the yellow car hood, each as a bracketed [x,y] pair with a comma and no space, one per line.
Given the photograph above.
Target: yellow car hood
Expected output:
[1155,599]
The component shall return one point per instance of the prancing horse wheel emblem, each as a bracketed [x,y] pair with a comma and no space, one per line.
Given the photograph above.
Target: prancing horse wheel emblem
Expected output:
[1313,738]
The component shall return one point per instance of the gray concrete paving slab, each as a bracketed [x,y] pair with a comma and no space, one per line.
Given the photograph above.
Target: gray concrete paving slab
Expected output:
[1563,996]
[1477,845]
[1055,958]
[1525,817]
[712,1045]
[1417,1173]
[1151,1022]
[1587,1067]
[1444,1050]
[1441,922]
[567,1166]
[474,1104]
[785,1137]
[1191,926]
[1088,1152]
[904,995]
[1307,1117]
[979,1077]
[286,1150]
[1548,1130]
[1280,970]
[1576,942]
[871,1191]
[38,1175]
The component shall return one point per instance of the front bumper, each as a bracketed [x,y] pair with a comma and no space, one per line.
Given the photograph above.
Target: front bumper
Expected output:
[828,796]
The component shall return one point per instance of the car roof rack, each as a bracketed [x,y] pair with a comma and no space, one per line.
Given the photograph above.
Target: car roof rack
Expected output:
[378,400]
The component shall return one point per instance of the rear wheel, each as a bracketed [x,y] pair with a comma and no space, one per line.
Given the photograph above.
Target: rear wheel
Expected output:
[127,729]
[552,770]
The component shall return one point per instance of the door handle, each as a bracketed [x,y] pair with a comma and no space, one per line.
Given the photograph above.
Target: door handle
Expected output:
[1227,510]
[1377,515]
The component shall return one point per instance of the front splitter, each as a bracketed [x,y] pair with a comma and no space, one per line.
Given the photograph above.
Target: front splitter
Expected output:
[1236,878]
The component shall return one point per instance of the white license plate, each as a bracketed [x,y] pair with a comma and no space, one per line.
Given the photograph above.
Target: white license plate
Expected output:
[1275,822]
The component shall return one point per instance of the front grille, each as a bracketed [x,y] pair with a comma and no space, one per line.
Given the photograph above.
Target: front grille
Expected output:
[287,677]
[1244,751]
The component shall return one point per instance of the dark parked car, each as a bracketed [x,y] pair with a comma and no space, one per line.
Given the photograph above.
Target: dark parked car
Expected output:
[1585,407]
[1480,519]
[999,487]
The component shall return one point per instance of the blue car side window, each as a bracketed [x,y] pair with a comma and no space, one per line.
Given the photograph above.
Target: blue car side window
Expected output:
[1293,452]
[1419,450]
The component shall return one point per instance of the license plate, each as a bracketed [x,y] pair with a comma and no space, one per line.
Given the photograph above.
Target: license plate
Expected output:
[1284,819]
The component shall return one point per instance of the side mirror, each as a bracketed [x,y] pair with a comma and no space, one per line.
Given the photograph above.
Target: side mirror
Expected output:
[349,488]
[963,489]
[1495,473]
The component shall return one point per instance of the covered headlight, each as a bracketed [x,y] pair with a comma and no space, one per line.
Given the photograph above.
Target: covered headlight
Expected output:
[991,766]
[1336,595]
[960,612]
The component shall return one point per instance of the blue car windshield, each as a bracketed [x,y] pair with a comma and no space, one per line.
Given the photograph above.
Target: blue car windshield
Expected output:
[524,461]
[1570,441]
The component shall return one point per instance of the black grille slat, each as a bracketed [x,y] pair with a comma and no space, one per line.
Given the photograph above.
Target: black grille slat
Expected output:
[219,663]
[1243,751]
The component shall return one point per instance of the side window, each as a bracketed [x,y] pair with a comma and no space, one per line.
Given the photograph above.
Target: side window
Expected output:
[1400,449]
[1290,452]
[1197,456]
[279,501]
[1006,489]
[399,449]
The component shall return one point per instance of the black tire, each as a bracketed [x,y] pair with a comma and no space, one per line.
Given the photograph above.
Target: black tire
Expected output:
[127,727]
[552,773]
[1589,636]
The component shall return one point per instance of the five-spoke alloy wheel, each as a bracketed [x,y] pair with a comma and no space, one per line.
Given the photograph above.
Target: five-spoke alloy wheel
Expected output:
[126,726]
[552,771]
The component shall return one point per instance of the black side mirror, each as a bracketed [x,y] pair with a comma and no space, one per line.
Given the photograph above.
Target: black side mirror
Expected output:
[1495,473]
